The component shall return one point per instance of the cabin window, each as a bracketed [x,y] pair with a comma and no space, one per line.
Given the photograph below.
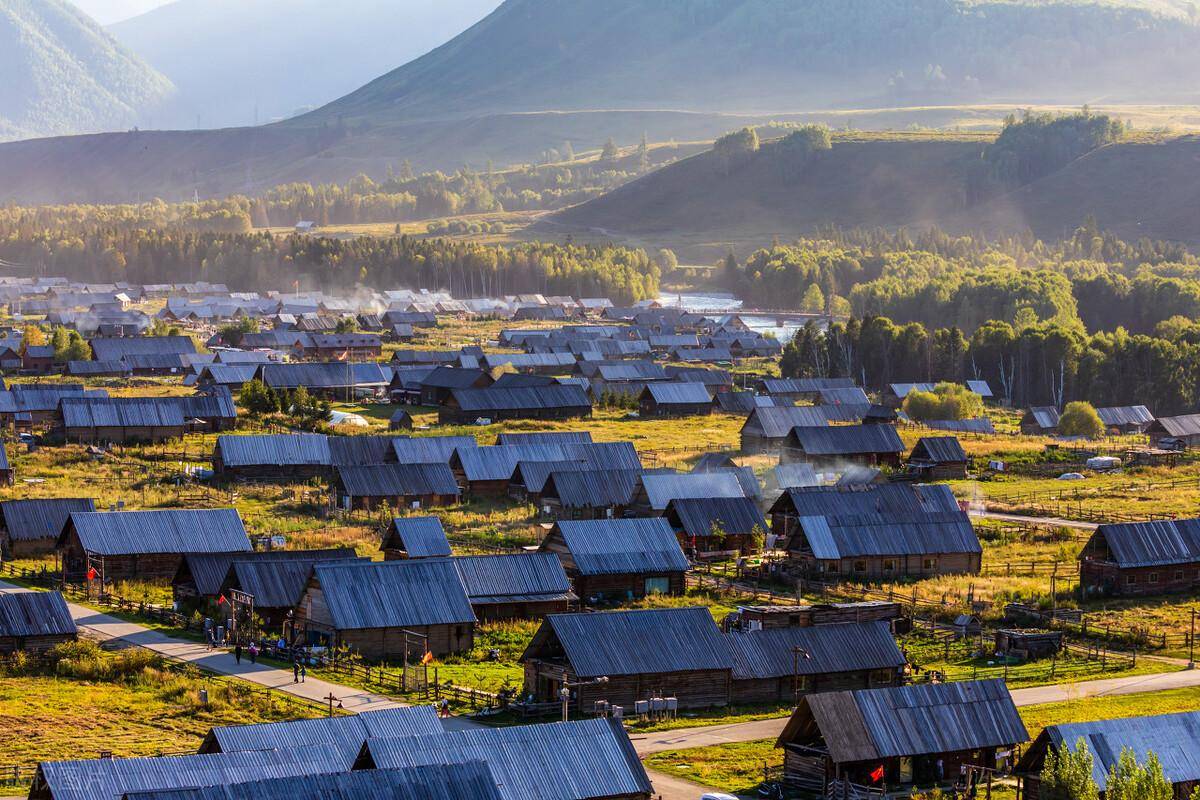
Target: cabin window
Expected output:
[889,565]
[882,677]
[1154,577]
[658,585]
[929,562]
[860,566]
[1131,579]
[1178,574]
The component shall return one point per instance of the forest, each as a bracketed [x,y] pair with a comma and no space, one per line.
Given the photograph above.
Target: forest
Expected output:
[260,261]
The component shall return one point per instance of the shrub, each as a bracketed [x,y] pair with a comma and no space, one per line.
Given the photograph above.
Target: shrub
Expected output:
[946,401]
[1080,419]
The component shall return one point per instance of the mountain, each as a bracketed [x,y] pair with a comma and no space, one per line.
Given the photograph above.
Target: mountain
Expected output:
[534,73]
[705,204]
[106,12]
[240,62]
[64,74]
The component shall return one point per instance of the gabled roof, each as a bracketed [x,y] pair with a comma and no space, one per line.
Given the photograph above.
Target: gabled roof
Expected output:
[979,425]
[394,594]
[275,449]
[592,488]
[429,449]
[1183,425]
[661,489]
[557,761]
[795,475]
[209,570]
[776,422]
[121,412]
[545,437]
[522,398]
[419,537]
[833,538]
[926,719]
[280,582]
[112,778]
[938,450]
[31,520]
[347,733]
[840,647]
[889,498]
[804,385]
[1125,415]
[168,530]
[622,546]
[838,440]
[346,451]
[1173,738]
[323,375]
[513,578]
[34,614]
[849,396]
[672,393]
[735,515]
[443,377]
[397,480]
[499,462]
[117,348]
[645,641]
[1044,417]
[1150,544]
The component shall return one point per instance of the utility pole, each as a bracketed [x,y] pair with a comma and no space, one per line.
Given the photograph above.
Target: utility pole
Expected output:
[1192,643]
[331,698]
[797,653]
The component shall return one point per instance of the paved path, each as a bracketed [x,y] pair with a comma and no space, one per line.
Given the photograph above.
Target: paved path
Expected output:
[1062,523]
[108,628]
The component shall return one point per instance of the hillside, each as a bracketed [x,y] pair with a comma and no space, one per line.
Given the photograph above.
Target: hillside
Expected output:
[240,62]
[64,74]
[108,12]
[1134,189]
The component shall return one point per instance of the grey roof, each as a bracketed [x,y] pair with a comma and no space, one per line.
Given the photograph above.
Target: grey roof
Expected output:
[888,498]
[592,488]
[978,425]
[661,489]
[82,368]
[776,422]
[849,396]
[631,371]
[1045,417]
[557,761]
[1150,544]
[736,402]
[470,780]
[872,724]
[836,440]
[345,451]
[420,537]
[499,462]
[795,475]
[346,732]
[112,778]
[322,375]
[805,385]
[168,530]
[529,360]
[533,474]
[522,398]
[672,393]
[42,397]
[841,647]
[31,520]
[640,642]
[939,450]
[209,570]
[513,577]
[121,412]
[858,475]
[34,614]
[429,449]
[833,538]
[277,449]
[117,348]
[545,437]
[623,546]
[217,403]
[280,582]
[229,374]
[1125,415]
[397,480]
[736,515]
[1184,425]
[443,377]
[1173,738]
[394,594]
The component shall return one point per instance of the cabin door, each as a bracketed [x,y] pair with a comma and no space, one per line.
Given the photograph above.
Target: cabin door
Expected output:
[906,769]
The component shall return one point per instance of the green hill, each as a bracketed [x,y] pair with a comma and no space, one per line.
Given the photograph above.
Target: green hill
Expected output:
[64,74]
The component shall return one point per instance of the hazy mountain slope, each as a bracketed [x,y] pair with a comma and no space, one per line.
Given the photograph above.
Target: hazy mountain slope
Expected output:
[238,62]
[1133,189]
[61,73]
[107,12]
[749,55]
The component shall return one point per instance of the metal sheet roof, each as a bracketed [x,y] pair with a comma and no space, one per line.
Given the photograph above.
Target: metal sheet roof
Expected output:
[279,449]
[1156,543]
[836,440]
[1183,425]
[623,546]
[279,582]
[1173,738]
[776,422]
[639,642]
[662,489]
[470,780]
[34,614]
[322,375]
[939,450]
[530,397]
[592,488]
[31,520]
[533,474]
[112,778]
[429,449]
[347,733]
[444,377]
[361,450]
[121,412]
[209,570]
[117,348]
[889,498]
[805,385]
[499,462]
[833,538]
[513,577]
[397,480]
[1125,415]
[672,393]
[1045,417]
[168,530]
[420,537]
[827,649]
[849,396]
[545,437]
[735,515]
[979,425]
[394,594]
[795,475]
[871,724]
[556,761]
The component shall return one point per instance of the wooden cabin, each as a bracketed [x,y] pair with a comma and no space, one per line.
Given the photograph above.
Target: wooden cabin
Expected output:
[1134,559]
[1040,421]
[414,537]
[589,494]
[717,524]
[672,399]
[121,420]
[397,485]
[938,458]
[561,401]
[806,616]
[767,428]
[665,653]
[285,455]
[515,585]
[894,738]
[34,622]
[831,446]
[618,559]
[439,383]
[1029,645]
[386,610]
[1125,419]
[1175,433]
[31,527]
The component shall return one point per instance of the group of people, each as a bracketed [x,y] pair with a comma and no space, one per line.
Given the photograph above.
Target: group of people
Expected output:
[252,650]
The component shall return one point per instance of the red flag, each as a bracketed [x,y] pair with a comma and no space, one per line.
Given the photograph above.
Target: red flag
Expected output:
[91,576]
[877,775]
[428,657]
[221,600]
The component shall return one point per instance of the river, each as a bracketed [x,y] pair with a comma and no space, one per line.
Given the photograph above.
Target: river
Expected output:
[715,304]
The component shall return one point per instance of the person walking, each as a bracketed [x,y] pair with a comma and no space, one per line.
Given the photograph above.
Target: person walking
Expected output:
[295,672]
[253,653]
[237,653]
[303,673]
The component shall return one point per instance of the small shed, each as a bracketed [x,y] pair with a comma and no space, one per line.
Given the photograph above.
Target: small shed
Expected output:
[1040,421]
[414,537]
[717,524]
[400,420]
[831,446]
[938,458]
[671,399]
[643,654]
[33,622]
[398,485]
[618,559]
[967,626]
[1028,645]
